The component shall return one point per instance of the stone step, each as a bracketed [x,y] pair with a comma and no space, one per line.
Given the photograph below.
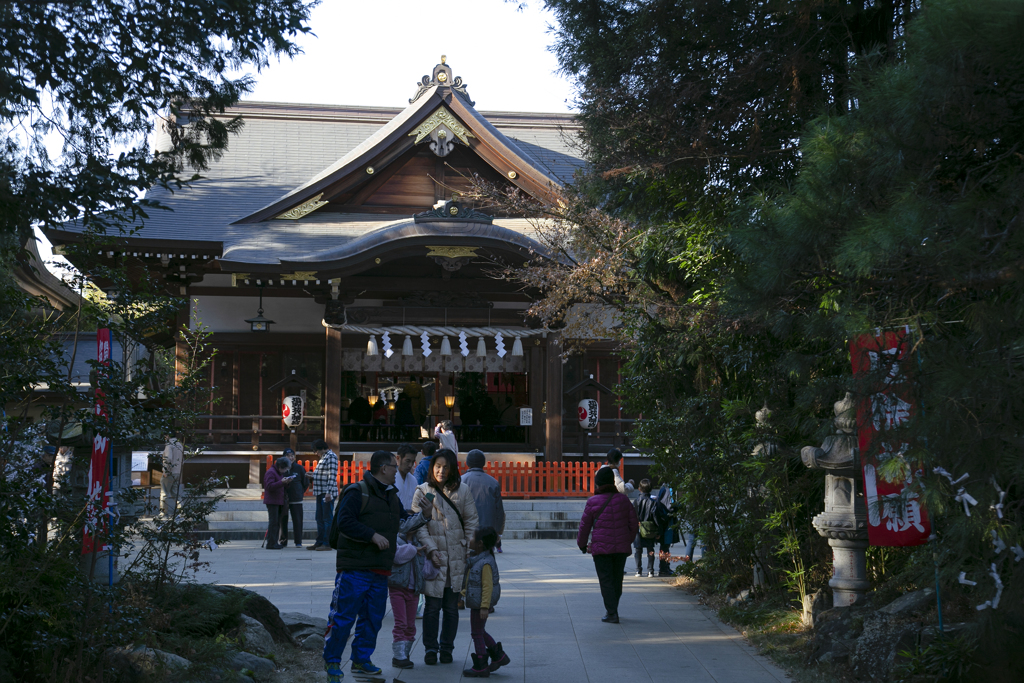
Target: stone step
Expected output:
[563,534]
[525,525]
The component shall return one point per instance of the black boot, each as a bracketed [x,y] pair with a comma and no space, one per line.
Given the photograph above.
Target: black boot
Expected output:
[479,669]
[498,657]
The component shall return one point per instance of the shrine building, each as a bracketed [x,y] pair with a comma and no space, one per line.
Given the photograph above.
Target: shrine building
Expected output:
[333,256]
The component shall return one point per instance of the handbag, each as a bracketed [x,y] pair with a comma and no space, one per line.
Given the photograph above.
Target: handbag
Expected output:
[648,527]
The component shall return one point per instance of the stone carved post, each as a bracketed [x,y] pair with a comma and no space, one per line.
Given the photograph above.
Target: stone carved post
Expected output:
[844,521]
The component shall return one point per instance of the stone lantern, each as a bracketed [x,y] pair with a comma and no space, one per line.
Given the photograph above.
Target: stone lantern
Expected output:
[844,521]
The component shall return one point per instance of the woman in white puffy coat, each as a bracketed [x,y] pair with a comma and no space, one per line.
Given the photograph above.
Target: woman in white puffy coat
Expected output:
[446,536]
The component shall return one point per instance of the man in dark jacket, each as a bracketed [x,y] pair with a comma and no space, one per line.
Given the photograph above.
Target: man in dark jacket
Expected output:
[364,532]
[294,490]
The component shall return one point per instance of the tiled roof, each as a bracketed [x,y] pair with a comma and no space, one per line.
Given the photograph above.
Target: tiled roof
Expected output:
[284,146]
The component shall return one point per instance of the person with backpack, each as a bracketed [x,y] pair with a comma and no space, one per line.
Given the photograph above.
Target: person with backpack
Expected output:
[611,519]
[649,529]
[365,533]
[453,521]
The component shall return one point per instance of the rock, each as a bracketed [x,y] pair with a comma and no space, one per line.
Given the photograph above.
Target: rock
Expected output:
[302,625]
[313,643]
[255,636]
[243,660]
[836,632]
[883,638]
[814,604]
[910,602]
[263,611]
[149,659]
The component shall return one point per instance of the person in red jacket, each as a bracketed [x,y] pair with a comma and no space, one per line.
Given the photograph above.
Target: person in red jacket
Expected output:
[611,518]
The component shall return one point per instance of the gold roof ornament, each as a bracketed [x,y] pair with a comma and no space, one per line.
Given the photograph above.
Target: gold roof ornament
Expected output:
[303,209]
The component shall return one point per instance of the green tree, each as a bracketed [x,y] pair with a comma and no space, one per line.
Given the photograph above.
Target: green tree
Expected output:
[97,76]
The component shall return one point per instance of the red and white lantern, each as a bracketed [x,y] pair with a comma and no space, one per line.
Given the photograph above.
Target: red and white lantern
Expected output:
[291,411]
[588,412]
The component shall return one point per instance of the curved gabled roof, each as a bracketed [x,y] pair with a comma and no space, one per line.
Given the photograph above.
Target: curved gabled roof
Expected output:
[395,138]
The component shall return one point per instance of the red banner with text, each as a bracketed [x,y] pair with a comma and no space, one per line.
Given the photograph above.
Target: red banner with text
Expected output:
[895,514]
[98,491]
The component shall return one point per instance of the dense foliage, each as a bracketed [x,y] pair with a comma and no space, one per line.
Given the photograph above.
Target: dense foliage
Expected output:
[769,180]
[82,85]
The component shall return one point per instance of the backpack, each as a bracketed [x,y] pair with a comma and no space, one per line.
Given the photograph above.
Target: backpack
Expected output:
[335,527]
[648,526]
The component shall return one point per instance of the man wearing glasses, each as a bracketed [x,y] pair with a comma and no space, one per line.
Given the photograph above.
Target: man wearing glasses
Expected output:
[364,533]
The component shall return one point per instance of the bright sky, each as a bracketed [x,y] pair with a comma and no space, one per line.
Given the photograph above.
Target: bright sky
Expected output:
[373,54]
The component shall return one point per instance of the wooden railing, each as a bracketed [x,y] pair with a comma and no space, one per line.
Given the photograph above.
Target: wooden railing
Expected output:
[518,479]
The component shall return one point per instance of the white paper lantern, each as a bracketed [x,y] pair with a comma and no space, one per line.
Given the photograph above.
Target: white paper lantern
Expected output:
[588,412]
[291,411]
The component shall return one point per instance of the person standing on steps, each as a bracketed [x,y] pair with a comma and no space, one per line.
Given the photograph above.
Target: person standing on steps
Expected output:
[612,460]
[610,517]
[325,488]
[274,481]
[365,533]
[445,433]
[295,491]
[453,521]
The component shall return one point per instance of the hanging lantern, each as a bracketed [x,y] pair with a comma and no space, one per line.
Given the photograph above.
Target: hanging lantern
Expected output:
[588,411]
[481,348]
[291,411]
[446,346]
[371,346]
[407,346]
[517,347]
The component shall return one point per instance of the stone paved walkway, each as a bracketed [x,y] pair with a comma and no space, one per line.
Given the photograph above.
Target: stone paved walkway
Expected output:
[548,619]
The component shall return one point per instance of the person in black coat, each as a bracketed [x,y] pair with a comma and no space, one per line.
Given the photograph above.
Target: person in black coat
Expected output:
[294,491]
[647,512]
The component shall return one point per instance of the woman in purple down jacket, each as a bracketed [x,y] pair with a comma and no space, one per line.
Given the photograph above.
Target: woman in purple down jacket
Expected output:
[274,482]
[612,519]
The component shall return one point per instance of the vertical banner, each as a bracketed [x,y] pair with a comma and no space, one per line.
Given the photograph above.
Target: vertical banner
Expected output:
[895,514]
[98,495]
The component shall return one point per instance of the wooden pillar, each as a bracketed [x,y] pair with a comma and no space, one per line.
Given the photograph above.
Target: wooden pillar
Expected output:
[332,390]
[553,396]
[535,360]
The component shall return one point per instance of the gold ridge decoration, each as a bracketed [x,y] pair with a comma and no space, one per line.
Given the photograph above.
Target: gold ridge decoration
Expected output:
[442,117]
[238,277]
[303,209]
[452,252]
[299,275]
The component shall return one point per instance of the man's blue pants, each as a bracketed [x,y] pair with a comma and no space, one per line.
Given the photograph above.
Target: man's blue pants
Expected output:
[361,594]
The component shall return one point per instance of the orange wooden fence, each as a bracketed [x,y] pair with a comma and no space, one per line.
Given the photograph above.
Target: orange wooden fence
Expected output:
[518,479]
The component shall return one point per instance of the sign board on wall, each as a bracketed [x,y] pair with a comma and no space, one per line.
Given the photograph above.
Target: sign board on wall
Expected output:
[525,417]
